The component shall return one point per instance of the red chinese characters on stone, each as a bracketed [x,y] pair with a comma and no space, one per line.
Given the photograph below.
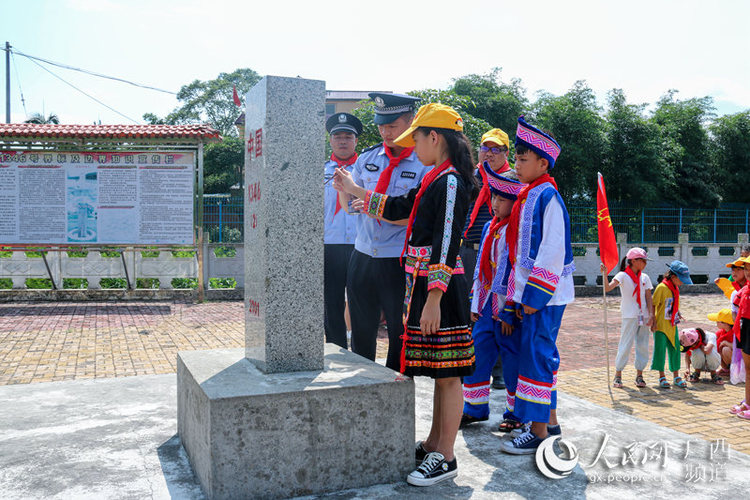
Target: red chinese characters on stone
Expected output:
[253,192]
[253,307]
[250,145]
[258,142]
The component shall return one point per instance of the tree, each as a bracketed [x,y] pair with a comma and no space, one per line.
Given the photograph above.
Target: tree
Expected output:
[40,119]
[223,165]
[473,127]
[731,154]
[210,102]
[492,100]
[685,147]
[575,122]
[633,166]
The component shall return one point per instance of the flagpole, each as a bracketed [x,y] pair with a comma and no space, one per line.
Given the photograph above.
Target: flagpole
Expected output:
[605,280]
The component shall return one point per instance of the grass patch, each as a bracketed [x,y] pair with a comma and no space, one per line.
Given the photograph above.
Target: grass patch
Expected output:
[78,253]
[5,254]
[6,283]
[110,253]
[35,254]
[183,253]
[150,254]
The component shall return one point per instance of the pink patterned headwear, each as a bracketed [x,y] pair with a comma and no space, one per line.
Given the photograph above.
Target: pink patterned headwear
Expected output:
[537,141]
[501,185]
[689,337]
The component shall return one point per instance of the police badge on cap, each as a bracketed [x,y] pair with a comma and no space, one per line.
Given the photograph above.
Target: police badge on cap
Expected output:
[343,122]
[388,107]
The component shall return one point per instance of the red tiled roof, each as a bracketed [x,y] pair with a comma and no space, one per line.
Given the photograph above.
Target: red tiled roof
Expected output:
[33,130]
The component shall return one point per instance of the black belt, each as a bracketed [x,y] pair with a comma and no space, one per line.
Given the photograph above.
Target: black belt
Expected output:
[469,244]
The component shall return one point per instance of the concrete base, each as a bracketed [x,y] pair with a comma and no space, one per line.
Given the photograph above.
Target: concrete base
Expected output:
[251,434]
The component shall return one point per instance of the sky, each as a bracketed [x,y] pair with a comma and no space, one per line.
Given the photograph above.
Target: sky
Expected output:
[645,47]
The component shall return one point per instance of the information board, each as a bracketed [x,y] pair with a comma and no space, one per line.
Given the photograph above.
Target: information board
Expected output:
[84,197]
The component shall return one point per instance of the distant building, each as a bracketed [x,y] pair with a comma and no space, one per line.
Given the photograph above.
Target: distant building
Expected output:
[345,101]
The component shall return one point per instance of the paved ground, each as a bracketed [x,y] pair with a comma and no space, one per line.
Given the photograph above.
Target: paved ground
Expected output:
[43,342]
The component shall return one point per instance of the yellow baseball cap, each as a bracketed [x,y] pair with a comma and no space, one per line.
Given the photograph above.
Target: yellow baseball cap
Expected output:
[725,316]
[497,136]
[432,115]
[737,263]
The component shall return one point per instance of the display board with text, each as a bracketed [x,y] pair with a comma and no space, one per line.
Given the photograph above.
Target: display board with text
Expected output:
[120,197]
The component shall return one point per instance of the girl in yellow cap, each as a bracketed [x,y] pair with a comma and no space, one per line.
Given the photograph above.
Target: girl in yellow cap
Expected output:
[437,341]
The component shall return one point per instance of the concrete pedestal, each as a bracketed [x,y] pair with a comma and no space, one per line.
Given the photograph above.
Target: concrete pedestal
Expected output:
[250,434]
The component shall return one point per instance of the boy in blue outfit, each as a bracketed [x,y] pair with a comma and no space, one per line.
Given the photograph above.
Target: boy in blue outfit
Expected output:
[487,298]
[539,284]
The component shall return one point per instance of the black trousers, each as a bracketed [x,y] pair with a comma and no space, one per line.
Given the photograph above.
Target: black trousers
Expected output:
[374,285]
[335,268]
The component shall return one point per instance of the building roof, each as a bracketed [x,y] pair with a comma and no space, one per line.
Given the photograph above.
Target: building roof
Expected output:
[350,95]
[47,131]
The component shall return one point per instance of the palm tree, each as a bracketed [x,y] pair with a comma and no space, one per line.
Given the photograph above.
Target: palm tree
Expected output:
[40,119]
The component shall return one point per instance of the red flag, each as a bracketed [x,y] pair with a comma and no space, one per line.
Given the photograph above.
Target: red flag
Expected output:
[236,96]
[607,243]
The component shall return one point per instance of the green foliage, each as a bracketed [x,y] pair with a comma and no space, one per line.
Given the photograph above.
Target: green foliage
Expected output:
[222,283]
[225,252]
[632,165]
[731,154]
[36,254]
[210,101]
[185,283]
[113,283]
[183,253]
[75,283]
[229,234]
[574,120]
[4,254]
[150,254]
[223,165]
[40,119]
[685,147]
[151,283]
[39,283]
[492,100]
[110,253]
[6,283]
[77,253]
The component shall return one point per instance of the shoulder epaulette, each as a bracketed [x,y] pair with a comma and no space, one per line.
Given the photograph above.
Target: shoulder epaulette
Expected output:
[372,147]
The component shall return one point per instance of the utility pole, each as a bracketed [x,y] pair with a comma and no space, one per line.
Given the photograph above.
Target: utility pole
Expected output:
[7,82]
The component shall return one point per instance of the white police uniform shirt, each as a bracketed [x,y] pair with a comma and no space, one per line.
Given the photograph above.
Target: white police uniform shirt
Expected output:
[383,240]
[340,228]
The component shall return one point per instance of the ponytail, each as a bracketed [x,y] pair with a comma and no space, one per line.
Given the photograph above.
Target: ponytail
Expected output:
[625,263]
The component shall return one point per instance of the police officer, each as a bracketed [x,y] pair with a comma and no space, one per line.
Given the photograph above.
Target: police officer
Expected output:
[376,279]
[340,227]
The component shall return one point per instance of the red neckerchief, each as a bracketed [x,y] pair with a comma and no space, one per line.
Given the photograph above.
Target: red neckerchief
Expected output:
[340,164]
[676,303]
[385,176]
[511,235]
[698,344]
[485,197]
[426,181]
[637,280]
[484,265]
[736,285]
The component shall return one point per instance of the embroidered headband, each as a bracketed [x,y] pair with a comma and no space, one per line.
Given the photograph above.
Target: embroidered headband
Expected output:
[501,185]
[537,141]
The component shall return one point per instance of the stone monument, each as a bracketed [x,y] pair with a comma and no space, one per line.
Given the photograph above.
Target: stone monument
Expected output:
[289,415]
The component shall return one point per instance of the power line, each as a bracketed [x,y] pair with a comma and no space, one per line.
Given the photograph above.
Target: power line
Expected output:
[18,79]
[92,73]
[84,93]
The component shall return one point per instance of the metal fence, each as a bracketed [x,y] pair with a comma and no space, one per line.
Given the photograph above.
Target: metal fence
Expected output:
[662,224]
[222,222]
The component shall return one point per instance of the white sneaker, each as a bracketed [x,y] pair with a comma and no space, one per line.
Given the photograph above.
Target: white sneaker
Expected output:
[521,430]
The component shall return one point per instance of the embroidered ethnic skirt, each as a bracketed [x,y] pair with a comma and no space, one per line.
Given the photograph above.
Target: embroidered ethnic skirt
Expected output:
[450,351]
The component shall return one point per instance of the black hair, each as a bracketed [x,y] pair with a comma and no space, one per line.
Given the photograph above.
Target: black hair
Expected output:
[624,264]
[745,248]
[460,155]
[702,334]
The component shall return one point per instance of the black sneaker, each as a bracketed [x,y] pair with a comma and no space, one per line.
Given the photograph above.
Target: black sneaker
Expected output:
[434,469]
[468,420]
[419,454]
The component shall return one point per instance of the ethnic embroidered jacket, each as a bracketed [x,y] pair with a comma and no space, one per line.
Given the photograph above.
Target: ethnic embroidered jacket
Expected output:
[543,273]
[495,290]
[436,233]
